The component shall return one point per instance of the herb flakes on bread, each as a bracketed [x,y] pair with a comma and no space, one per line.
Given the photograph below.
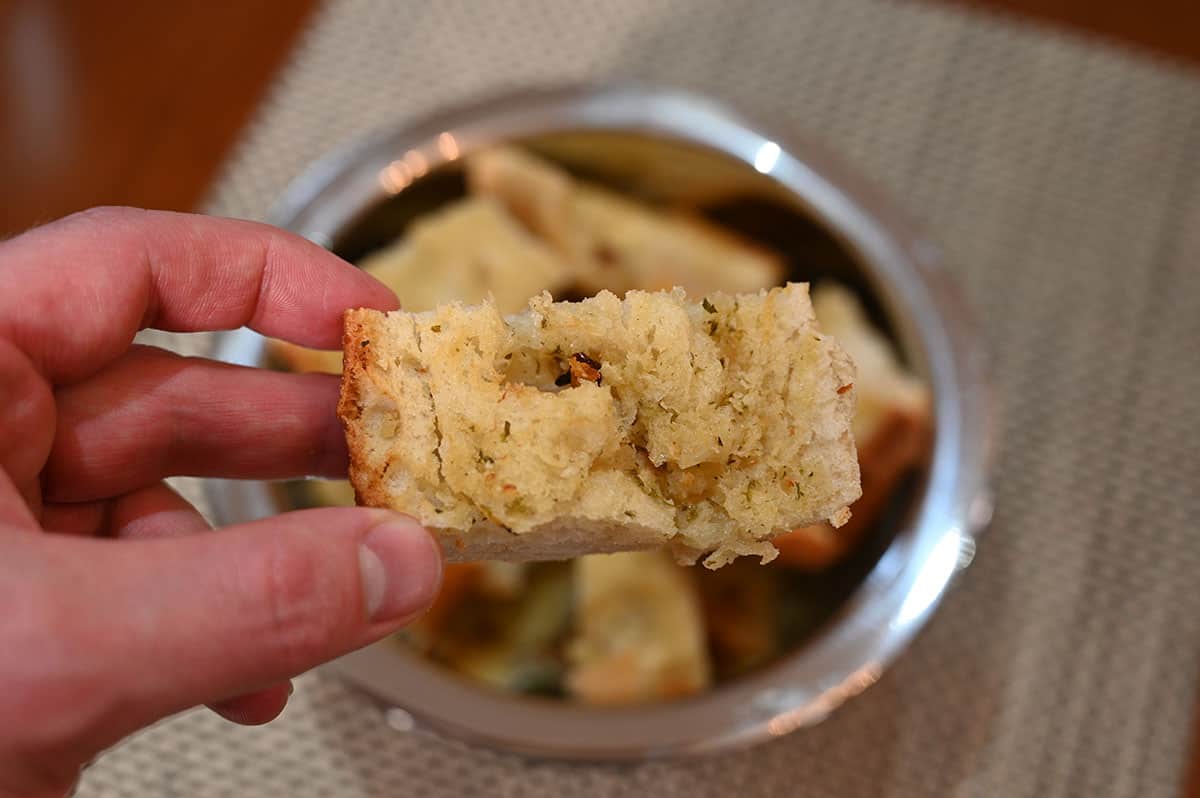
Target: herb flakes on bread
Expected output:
[603,425]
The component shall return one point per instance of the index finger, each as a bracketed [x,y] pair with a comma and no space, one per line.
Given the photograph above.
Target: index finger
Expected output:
[80,288]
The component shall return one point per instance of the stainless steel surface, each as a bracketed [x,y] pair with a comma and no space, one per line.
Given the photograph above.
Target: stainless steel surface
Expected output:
[665,135]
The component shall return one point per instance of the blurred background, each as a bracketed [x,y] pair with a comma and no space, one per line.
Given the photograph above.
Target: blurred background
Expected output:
[1051,146]
[140,107]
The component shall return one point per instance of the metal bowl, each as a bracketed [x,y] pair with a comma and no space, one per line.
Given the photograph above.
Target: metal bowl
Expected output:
[670,146]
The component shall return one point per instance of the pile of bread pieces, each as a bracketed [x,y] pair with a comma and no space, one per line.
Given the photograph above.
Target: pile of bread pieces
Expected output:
[689,408]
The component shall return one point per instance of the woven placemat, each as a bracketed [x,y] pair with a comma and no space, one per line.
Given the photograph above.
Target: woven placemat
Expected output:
[1063,178]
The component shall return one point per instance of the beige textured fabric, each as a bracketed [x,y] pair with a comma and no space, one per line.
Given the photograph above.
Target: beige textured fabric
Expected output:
[1063,179]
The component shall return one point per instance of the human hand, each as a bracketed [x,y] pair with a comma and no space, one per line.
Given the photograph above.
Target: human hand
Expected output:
[113,612]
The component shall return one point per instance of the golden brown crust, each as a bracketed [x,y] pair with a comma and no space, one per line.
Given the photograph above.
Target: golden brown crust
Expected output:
[367,489]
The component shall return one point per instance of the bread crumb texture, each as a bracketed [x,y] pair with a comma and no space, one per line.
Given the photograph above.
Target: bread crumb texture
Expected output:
[603,425]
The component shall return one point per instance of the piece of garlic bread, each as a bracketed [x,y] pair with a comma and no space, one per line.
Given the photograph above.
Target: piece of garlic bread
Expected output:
[603,425]
[639,632]
[614,242]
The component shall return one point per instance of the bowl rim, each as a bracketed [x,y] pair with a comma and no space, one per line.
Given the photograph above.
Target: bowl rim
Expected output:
[903,588]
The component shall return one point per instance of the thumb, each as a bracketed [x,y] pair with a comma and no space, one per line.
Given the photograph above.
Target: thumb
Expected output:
[168,624]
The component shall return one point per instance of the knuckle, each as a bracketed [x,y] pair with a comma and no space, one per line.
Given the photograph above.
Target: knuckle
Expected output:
[306,610]
[97,218]
[52,694]
[102,215]
[51,702]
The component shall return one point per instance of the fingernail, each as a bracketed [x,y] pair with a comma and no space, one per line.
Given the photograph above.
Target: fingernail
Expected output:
[401,569]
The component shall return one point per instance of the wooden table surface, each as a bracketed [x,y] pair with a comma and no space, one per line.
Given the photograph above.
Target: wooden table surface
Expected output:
[137,103]
[139,107]
[131,107]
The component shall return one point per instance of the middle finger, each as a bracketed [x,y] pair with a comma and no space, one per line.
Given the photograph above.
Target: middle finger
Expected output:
[153,414]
